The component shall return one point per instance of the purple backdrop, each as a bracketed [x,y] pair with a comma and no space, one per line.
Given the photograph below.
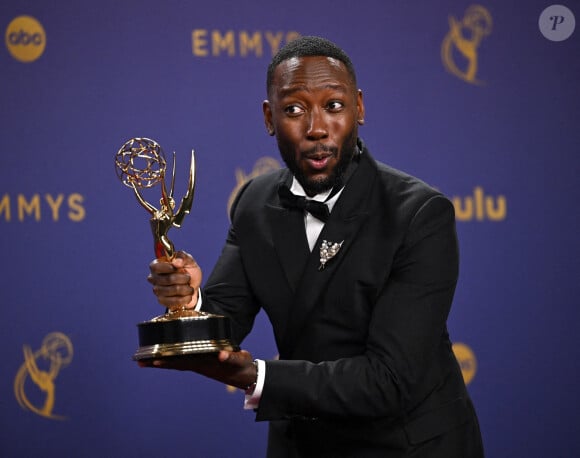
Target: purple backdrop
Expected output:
[482,101]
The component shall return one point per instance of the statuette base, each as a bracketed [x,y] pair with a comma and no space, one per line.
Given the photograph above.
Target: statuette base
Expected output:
[166,336]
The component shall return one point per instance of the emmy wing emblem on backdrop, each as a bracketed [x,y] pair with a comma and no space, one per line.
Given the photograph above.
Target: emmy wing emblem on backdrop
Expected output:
[140,164]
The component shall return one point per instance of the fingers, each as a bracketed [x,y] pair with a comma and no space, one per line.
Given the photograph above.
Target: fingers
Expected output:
[161,266]
[168,279]
[174,296]
[180,263]
[185,263]
[172,289]
[182,270]
[232,368]
[175,282]
[235,358]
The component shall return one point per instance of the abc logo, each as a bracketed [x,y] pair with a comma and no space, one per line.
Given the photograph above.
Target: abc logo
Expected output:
[25,39]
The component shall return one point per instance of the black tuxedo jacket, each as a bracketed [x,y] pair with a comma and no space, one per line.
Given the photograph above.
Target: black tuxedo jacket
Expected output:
[366,366]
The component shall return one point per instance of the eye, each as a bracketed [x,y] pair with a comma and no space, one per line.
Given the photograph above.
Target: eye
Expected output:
[293,110]
[335,105]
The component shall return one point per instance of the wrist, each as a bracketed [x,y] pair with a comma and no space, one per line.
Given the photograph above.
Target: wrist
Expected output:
[196,300]
[252,386]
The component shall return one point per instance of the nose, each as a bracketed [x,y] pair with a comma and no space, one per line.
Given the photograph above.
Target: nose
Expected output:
[317,125]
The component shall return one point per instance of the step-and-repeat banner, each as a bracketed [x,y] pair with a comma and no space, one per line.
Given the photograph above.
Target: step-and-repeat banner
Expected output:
[481,100]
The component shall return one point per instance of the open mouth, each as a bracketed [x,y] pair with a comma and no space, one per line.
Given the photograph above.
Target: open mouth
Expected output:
[318,161]
[319,157]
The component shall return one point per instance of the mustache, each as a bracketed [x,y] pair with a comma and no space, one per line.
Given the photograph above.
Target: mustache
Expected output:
[320,148]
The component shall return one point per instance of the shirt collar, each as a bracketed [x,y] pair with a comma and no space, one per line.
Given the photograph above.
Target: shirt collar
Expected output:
[297,189]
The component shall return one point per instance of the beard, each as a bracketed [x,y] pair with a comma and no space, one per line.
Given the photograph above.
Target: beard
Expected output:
[313,186]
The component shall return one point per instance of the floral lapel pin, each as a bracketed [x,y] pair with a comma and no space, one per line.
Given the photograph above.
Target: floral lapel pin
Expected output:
[328,250]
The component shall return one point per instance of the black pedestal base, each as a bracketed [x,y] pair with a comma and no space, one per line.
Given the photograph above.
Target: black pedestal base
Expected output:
[168,337]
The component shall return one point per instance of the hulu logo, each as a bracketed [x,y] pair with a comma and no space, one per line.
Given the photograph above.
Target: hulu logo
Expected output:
[480,207]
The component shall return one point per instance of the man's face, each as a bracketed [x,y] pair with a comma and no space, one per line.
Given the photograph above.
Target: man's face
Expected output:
[314,110]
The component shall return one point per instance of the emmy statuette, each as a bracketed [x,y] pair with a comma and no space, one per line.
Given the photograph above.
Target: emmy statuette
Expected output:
[141,164]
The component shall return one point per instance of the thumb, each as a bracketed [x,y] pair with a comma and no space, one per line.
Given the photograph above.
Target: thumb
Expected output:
[185,262]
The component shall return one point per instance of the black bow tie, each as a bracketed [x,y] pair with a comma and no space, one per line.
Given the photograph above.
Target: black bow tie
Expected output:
[317,209]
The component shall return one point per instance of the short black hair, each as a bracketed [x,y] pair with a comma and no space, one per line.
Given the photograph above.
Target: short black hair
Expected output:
[307,47]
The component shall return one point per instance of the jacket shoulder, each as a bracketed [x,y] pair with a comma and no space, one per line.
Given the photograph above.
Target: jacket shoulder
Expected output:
[403,184]
[407,201]
[258,191]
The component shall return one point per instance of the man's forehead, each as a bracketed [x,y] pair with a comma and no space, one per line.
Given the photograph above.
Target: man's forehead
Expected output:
[310,67]
[322,61]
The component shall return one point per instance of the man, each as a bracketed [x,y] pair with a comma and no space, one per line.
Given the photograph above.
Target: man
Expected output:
[358,295]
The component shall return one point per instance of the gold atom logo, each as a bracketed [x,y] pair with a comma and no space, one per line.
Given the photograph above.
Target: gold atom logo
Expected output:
[25,39]
[459,50]
[35,378]
[466,359]
[263,165]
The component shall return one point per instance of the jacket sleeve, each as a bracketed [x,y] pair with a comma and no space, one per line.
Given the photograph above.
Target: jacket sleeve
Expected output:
[407,355]
[227,290]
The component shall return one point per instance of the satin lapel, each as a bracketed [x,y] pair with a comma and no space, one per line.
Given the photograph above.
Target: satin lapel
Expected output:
[346,219]
[290,241]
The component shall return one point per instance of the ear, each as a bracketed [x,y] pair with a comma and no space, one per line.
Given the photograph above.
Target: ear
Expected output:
[360,108]
[267,109]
